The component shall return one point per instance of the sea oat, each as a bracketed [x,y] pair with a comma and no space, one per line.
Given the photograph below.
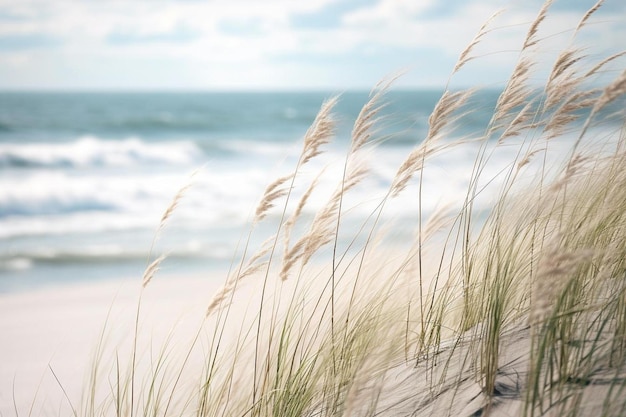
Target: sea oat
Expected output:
[557,92]
[534,27]
[611,92]
[527,158]
[565,60]
[292,256]
[438,220]
[440,117]
[412,164]
[588,15]
[322,231]
[252,267]
[153,267]
[445,107]
[272,192]
[553,272]
[174,203]
[290,223]
[465,55]
[573,169]
[605,61]
[368,116]
[362,130]
[219,297]
[320,132]
[151,270]
[518,124]
[568,112]
[516,93]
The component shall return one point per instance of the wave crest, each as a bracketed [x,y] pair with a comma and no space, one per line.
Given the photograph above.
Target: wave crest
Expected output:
[90,151]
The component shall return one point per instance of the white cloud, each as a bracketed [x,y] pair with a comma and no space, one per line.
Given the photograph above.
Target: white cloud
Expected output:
[213,36]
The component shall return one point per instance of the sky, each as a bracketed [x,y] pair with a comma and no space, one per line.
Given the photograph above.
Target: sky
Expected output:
[276,44]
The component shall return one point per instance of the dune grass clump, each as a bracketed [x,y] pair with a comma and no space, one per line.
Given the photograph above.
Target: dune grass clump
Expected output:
[519,309]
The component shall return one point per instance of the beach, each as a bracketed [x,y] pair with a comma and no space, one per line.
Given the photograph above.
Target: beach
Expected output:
[385,252]
[59,330]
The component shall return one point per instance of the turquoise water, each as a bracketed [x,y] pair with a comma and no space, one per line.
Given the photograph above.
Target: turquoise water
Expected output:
[85,177]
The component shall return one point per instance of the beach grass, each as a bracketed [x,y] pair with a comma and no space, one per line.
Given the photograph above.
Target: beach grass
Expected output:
[519,309]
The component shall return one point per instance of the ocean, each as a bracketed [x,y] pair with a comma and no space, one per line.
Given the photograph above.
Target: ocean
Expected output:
[86,177]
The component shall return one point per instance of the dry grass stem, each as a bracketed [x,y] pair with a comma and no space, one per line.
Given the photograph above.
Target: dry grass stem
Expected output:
[465,57]
[508,301]
[368,115]
[568,113]
[614,90]
[534,27]
[518,124]
[151,270]
[412,164]
[528,157]
[443,111]
[553,272]
[320,132]
[564,61]
[516,92]
[602,63]
[252,267]
[587,15]
[290,223]
[271,194]
[573,168]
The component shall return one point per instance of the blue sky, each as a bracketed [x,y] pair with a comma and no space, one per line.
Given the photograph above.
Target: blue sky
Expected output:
[275,44]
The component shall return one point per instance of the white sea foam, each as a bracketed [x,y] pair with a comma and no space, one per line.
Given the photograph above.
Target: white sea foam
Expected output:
[105,203]
[92,151]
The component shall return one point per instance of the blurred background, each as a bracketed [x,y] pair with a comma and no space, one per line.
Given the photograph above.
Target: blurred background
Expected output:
[107,107]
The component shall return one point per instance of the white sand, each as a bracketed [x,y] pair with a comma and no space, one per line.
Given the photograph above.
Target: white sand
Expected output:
[60,328]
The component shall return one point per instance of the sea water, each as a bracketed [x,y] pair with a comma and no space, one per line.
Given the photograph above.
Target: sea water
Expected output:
[86,177]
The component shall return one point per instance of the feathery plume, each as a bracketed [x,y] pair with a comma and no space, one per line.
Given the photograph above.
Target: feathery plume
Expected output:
[465,57]
[413,163]
[320,132]
[220,297]
[526,159]
[437,221]
[445,107]
[611,92]
[553,272]
[361,132]
[534,27]
[565,60]
[272,193]
[175,201]
[515,93]
[566,113]
[322,230]
[518,123]
[588,15]
[573,168]
[557,92]
[290,223]
[253,266]
[151,270]
[437,121]
[154,265]
[367,118]
[292,256]
[602,63]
